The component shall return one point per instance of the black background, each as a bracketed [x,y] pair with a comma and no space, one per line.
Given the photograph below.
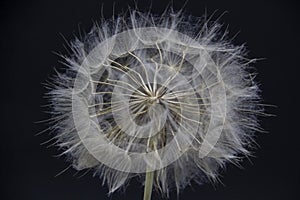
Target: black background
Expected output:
[30,33]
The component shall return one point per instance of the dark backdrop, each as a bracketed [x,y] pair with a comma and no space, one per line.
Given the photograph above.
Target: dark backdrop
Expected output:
[30,32]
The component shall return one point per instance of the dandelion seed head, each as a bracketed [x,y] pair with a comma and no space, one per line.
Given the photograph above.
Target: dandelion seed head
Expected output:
[165,93]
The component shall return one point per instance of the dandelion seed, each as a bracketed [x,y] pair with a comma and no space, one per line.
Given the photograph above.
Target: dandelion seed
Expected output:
[162,97]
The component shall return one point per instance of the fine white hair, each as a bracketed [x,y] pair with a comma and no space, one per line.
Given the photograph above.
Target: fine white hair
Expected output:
[167,94]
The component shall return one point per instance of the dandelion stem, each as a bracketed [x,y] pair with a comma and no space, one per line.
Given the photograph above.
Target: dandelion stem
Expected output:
[148,185]
[149,172]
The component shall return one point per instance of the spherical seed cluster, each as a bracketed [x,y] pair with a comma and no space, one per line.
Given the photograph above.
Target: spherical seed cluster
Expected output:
[163,94]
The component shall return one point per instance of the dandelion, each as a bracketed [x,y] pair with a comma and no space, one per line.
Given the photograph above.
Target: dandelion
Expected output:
[164,98]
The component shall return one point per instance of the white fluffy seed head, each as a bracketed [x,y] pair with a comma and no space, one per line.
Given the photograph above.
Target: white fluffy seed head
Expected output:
[155,93]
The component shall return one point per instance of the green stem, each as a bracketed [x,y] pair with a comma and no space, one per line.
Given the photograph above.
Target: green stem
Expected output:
[148,185]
